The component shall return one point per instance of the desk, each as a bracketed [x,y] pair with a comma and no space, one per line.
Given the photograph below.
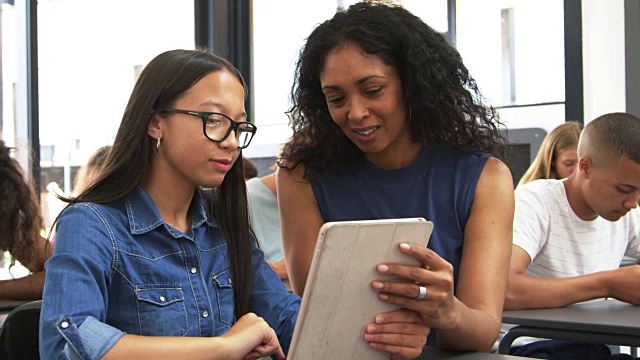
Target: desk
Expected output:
[601,321]
[7,305]
[431,353]
[3,317]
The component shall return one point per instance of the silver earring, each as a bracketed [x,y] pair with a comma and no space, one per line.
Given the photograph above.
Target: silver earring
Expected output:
[158,143]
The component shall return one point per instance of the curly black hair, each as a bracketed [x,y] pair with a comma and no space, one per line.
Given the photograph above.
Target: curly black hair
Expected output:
[444,104]
[20,218]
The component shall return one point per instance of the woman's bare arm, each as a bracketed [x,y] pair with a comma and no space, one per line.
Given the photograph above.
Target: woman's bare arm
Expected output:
[300,221]
[484,268]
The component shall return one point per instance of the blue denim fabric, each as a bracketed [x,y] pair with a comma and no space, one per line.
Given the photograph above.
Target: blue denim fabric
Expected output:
[118,268]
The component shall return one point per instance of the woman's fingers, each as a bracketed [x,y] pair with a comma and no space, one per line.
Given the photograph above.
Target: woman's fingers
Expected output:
[440,286]
[397,316]
[433,267]
[426,256]
[398,352]
[425,289]
[400,333]
[399,340]
[408,290]
[397,328]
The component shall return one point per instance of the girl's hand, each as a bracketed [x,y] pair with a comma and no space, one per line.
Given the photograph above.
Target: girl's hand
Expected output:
[251,338]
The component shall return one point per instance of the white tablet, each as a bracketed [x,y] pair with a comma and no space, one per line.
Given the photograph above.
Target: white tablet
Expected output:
[338,300]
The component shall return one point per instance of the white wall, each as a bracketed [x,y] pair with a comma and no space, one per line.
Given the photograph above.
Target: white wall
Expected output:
[603,57]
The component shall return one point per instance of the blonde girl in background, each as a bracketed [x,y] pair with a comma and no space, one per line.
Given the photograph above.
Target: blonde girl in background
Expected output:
[557,157]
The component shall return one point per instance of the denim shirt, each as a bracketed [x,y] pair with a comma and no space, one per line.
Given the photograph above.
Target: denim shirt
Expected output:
[119,268]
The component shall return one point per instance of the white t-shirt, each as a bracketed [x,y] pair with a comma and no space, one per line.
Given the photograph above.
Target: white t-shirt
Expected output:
[561,244]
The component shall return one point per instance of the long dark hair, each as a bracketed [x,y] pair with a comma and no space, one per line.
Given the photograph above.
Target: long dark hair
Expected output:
[159,85]
[443,102]
[20,217]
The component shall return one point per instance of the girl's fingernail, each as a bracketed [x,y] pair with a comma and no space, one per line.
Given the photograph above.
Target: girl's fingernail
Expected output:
[377,285]
[405,246]
[383,268]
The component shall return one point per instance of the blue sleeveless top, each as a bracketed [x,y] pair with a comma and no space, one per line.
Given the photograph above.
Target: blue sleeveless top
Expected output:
[439,186]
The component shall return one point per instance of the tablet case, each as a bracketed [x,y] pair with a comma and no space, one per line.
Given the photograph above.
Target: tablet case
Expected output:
[338,300]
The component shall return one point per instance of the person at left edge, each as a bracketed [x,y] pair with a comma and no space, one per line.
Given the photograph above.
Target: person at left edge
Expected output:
[146,264]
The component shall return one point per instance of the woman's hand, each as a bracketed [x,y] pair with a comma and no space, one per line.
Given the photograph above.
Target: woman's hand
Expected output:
[251,338]
[401,333]
[439,306]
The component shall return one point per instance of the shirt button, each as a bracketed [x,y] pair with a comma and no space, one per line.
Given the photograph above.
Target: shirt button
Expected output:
[229,280]
[194,270]
[64,324]
[162,298]
[205,314]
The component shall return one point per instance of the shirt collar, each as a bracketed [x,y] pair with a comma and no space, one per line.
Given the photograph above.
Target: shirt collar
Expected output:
[144,216]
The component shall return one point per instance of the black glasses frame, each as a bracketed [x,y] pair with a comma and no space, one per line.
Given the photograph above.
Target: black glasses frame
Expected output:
[204,116]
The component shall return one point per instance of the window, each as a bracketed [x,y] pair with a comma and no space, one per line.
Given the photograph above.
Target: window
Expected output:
[279,31]
[90,53]
[514,49]
[9,76]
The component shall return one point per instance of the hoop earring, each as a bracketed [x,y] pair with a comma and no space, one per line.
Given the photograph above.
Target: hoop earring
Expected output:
[158,143]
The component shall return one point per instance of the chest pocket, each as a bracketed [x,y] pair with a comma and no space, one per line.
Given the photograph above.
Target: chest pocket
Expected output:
[224,296]
[161,310]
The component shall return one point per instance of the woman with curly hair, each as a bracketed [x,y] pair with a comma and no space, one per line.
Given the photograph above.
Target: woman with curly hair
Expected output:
[558,154]
[20,226]
[388,123]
